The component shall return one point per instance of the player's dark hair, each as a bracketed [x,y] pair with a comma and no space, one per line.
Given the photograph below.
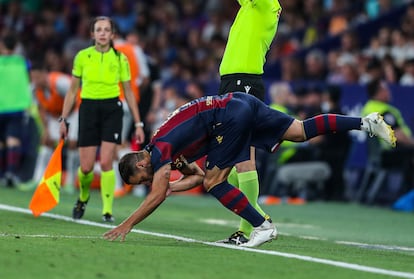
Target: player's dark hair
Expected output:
[373,87]
[127,164]
[113,29]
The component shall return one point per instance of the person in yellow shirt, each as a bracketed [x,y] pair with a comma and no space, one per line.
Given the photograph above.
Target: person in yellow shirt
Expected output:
[241,69]
[100,68]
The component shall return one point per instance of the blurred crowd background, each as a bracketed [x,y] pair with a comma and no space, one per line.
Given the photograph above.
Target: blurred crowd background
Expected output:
[324,50]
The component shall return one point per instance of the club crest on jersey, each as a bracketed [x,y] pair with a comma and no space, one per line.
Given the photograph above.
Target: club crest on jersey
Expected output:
[209,100]
[116,136]
[219,139]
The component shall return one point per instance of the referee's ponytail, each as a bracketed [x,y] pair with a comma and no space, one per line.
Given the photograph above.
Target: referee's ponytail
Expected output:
[113,29]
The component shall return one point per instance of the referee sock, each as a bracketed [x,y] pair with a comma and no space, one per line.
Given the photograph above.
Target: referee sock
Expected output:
[330,123]
[233,178]
[236,201]
[107,190]
[249,185]
[85,181]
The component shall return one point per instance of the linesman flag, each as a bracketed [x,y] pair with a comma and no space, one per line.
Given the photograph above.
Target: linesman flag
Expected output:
[46,195]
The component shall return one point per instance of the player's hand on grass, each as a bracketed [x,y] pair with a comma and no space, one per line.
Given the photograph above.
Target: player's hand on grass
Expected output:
[120,231]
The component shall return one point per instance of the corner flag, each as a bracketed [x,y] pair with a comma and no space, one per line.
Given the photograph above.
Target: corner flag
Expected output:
[46,195]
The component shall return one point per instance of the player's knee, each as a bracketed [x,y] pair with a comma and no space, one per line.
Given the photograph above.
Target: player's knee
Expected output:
[13,141]
[209,183]
[245,166]
[295,132]
[85,170]
[106,165]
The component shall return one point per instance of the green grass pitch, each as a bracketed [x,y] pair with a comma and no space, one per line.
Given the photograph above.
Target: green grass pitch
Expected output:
[316,240]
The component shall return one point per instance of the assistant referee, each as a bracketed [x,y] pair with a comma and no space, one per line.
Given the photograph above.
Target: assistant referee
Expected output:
[99,70]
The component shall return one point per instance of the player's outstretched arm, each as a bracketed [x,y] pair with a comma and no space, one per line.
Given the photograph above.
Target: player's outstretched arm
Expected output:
[151,202]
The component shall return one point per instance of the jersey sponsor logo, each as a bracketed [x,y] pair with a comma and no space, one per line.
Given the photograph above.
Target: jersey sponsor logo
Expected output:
[247,88]
[219,139]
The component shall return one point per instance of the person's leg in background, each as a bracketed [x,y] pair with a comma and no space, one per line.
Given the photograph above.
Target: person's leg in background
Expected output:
[13,148]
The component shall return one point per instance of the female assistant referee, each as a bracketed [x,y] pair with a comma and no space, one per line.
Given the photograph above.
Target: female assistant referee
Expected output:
[100,69]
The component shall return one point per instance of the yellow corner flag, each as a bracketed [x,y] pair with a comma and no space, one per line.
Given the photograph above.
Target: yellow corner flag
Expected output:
[46,195]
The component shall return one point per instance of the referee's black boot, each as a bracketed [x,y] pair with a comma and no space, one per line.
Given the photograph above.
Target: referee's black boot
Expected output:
[79,209]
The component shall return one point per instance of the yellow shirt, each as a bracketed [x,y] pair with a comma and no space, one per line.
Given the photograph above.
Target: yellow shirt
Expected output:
[250,37]
[100,72]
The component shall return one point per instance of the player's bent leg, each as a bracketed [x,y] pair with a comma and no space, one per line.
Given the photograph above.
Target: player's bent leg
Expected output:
[330,123]
[233,199]
[295,132]
[237,237]
[249,185]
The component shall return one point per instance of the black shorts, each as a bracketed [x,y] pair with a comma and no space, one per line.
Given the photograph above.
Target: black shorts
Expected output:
[12,125]
[100,120]
[248,83]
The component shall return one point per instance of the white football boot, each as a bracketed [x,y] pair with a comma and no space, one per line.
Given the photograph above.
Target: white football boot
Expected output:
[266,232]
[375,125]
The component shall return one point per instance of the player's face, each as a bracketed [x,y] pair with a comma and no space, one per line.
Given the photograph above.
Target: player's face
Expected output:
[143,176]
[102,32]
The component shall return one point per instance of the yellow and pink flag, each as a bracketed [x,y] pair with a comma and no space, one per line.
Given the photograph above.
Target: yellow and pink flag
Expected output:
[47,192]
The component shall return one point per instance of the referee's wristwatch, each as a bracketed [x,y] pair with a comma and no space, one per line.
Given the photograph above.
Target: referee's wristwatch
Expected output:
[139,124]
[64,120]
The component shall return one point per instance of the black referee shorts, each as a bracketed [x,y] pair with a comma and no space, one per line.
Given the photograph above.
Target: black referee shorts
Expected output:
[248,83]
[100,120]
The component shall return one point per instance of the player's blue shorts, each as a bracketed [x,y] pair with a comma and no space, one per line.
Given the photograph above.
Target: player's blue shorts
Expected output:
[241,125]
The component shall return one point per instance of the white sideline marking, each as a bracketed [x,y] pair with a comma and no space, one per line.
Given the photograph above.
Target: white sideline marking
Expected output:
[50,236]
[185,239]
[377,246]
[222,222]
